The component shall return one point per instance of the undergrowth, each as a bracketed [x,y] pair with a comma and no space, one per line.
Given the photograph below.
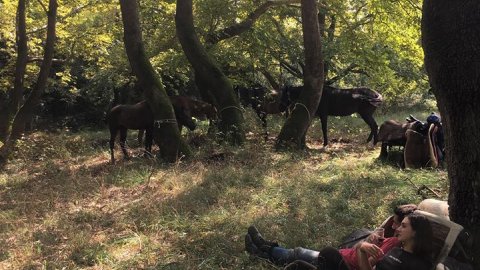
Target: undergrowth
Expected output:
[64,206]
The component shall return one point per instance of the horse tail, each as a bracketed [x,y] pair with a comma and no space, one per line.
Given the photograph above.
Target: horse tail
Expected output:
[369,95]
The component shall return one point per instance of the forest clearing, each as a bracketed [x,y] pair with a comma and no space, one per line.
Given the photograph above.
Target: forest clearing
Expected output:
[64,205]
[258,84]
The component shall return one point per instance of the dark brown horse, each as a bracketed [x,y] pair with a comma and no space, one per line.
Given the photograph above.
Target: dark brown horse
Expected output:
[423,143]
[341,102]
[196,108]
[262,101]
[139,116]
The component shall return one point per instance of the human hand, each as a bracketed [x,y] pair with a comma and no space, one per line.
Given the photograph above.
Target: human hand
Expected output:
[374,239]
[371,249]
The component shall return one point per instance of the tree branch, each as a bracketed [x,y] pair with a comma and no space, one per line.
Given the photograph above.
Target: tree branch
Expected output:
[237,29]
[43,7]
[72,13]
[270,79]
[345,72]
[40,59]
[291,69]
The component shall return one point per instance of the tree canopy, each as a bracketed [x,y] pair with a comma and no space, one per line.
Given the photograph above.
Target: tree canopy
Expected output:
[372,43]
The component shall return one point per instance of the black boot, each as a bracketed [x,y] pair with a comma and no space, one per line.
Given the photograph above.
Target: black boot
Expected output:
[251,248]
[258,239]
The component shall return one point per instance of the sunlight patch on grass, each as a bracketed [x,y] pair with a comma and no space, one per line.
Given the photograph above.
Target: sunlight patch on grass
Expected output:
[125,247]
[75,210]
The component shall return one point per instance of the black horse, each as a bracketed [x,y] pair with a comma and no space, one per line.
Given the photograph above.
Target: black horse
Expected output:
[340,102]
[262,101]
[139,116]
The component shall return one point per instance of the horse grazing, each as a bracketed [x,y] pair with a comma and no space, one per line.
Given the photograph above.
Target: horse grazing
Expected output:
[341,102]
[196,108]
[199,109]
[140,117]
[261,101]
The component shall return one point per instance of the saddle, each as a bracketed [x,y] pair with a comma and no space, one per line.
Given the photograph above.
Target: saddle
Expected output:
[422,147]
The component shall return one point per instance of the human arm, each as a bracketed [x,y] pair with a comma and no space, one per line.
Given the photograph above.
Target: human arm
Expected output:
[363,263]
[367,255]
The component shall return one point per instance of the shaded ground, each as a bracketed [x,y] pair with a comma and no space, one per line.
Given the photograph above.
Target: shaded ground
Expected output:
[63,205]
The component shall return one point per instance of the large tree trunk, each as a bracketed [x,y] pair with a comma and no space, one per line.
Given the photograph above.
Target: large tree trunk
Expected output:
[294,131]
[166,134]
[25,113]
[451,42]
[210,79]
[15,95]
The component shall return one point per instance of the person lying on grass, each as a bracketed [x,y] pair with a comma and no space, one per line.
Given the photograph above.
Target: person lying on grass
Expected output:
[416,235]
[346,258]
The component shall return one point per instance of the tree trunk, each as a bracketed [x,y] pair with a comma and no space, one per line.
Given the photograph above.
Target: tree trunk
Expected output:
[209,77]
[295,128]
[16,93]
[450,37]
[25,113]
[166,134]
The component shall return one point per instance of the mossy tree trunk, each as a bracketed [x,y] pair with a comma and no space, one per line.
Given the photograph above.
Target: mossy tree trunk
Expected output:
[15,95]
[210,79]
[450,37]
[166,133]
[25,113]
[295,128]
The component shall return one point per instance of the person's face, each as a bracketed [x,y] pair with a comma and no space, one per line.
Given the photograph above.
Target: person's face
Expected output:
[404,232]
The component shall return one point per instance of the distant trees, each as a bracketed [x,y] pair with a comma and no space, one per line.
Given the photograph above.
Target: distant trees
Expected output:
[25,113]
[245,42]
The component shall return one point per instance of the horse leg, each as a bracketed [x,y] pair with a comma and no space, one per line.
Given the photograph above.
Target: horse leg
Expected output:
[323,120]
[123,139]
[148,142]
[384,151]
[263,117]
[368,118]
[113,135]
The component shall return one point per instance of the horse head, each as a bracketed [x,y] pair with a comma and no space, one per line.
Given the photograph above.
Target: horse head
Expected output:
[243,95]
[184,117]
[289,94]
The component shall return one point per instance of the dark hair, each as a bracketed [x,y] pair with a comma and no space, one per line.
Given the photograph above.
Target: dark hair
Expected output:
[404,210]
[423,235]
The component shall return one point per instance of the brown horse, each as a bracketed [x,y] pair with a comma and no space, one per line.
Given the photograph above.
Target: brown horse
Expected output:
[140,117]
[341,102]
[196,108]
[262,102]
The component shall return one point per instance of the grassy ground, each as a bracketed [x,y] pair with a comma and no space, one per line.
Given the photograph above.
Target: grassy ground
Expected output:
[64,206]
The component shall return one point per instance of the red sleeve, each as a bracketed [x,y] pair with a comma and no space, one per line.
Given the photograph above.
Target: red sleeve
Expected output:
[350,254]
[389,243]
[350,257]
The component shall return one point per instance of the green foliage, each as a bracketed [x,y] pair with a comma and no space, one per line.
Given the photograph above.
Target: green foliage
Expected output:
[379,40]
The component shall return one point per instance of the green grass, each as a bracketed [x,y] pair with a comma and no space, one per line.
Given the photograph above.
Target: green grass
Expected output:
[63,205]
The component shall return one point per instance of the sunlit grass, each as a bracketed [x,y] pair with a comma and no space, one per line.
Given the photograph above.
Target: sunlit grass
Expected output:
[63,205]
